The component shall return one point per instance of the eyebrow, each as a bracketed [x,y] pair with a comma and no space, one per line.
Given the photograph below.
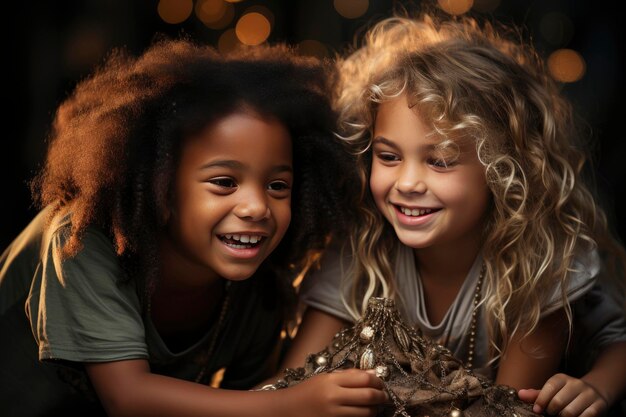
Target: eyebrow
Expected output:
[388,142]
[233,164]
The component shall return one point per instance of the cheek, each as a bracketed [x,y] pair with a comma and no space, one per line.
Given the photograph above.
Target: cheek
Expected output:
[378,184]
[282,216]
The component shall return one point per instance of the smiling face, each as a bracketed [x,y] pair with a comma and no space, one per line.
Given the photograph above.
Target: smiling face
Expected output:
[232,198]
[433,196]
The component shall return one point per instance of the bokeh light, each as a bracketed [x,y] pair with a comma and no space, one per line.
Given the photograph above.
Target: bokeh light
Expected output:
[262,10]
[228,41]
[351,9]
[215,14]
[85,48]
[455,7]
[253,28]
[311,47]
[566,65]
[174,11]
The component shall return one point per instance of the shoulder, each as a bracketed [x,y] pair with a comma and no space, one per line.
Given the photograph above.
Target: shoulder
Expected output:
[583,274]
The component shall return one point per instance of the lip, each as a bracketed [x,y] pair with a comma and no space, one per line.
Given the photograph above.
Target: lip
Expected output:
[413,220]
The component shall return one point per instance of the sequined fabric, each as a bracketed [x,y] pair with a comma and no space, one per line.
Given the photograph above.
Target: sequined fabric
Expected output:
[421,377]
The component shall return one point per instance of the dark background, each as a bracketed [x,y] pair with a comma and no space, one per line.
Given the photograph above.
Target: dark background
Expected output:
[53,44]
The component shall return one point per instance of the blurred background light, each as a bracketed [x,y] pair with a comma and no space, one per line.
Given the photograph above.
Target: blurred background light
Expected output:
[311,47]
[228,41]
[455,7]
[566,65]
[215,14]
[174,11]
[351,9]
[253,28]
[262,10]
[85,47]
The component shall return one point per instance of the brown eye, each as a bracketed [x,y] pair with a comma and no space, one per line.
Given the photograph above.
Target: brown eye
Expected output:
[223,182]
[278,186]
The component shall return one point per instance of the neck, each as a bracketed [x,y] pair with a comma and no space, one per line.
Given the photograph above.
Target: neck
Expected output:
[447,264]
[180,274]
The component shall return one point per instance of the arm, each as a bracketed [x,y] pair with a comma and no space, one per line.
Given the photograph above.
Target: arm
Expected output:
[588,396]
[127,388]
[529,361]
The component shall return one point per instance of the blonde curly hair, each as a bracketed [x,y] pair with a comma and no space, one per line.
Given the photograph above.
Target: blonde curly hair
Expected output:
[480,82]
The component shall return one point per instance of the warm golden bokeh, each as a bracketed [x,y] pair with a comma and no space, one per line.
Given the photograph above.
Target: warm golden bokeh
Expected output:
[228,41]
[215,14]
[253,29]
[455,7]
[351,9]
[566,65]
[311,47]
[175,11]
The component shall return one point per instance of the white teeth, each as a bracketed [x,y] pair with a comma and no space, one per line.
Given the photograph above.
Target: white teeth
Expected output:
[245,238]
[415,212]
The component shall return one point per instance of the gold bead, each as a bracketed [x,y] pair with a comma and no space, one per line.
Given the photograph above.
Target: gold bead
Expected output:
[455,412]
[321,360]
[382,371]
[367,333]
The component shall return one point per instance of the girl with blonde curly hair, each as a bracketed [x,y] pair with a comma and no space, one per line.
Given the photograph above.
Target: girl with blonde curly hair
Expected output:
[472,212]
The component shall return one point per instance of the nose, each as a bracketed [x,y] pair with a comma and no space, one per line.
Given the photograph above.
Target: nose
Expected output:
[253,206]
[411,179]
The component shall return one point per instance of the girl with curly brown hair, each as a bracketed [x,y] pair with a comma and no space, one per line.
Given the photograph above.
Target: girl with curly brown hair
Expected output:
[180,191]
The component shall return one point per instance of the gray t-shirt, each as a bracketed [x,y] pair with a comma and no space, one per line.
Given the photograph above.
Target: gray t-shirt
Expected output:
[91,314]
[322,289]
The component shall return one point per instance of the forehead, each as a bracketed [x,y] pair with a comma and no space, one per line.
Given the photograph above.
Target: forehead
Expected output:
[241,136]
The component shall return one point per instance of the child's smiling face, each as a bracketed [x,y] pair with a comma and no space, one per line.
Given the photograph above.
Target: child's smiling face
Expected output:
[431,196]
[232,202]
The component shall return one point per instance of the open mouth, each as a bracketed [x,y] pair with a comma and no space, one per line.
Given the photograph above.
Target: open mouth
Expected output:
[241,241]
[416,212]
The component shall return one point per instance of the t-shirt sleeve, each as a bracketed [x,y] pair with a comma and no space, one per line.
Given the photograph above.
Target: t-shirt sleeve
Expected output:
[321,288]
[599,317]
[87,314]
[582,277]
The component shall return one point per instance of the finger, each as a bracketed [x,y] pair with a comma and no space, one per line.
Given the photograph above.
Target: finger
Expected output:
[596,409]
[528,395]
[363,397]
[548,391]
[564,398]
[357,378]
[574,408]
[358,411]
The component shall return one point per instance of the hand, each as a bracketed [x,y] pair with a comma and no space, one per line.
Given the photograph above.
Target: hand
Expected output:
[349,393]
[567,397]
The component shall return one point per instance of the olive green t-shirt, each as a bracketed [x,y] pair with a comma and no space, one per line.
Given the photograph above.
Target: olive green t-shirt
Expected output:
[50,325]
